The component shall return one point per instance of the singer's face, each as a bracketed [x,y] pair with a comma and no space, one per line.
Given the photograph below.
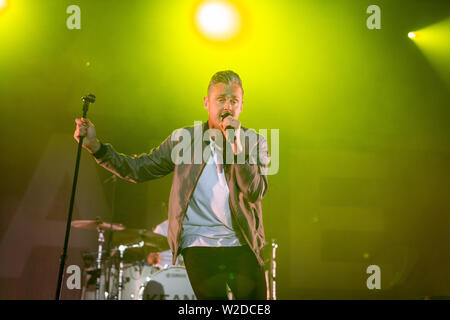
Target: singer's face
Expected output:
[223,98]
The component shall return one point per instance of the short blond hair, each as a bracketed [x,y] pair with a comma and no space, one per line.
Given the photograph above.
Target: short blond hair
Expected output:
[226,77]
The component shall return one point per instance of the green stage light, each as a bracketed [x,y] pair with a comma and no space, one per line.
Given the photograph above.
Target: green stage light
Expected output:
[218,20]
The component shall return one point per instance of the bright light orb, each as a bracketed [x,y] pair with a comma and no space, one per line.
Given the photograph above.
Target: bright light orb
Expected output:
[218,20]
[411,35]
[2,4]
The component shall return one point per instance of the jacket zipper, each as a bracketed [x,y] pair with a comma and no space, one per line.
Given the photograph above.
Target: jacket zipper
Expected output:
[235,216]
[237,221]
[187,206]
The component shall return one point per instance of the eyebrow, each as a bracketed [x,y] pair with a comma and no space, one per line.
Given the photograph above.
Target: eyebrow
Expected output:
[224,96]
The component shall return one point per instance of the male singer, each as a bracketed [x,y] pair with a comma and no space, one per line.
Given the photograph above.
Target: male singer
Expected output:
[215,216]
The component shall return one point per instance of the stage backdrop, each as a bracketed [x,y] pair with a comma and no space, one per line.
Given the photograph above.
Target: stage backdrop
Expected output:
[362,115]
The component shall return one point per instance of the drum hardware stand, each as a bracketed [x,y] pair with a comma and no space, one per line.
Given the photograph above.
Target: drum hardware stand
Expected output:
[101,240]
[86,101]
[113,178]
[122,249]
[273,271]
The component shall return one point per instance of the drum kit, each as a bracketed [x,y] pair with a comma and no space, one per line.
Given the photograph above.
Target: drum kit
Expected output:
[124,271]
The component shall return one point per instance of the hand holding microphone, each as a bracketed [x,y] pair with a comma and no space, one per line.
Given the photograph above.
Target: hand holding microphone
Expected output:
[229,123]
[225,116]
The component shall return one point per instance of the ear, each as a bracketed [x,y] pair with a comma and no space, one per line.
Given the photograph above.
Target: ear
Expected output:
[205,103]
[240,107]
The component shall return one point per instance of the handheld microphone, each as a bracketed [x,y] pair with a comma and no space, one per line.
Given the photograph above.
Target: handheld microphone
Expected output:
[226,114]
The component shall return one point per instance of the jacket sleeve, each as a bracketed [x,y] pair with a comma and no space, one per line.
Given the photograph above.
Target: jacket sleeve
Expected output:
[251,175]
[147,166]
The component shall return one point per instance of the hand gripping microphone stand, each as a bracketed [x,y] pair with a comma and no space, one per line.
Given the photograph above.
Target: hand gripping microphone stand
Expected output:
[86,101]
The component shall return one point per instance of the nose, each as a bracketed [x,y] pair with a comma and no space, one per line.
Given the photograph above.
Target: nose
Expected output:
[227,106]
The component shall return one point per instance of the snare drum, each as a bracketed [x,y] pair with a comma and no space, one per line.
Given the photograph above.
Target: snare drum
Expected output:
[168,284]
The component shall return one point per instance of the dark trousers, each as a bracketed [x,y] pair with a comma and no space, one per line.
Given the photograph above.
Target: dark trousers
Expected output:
[210,268]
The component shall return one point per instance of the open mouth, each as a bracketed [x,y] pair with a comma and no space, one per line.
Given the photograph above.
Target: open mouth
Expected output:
[224,115]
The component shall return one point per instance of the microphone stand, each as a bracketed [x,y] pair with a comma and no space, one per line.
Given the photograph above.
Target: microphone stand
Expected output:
[86,101]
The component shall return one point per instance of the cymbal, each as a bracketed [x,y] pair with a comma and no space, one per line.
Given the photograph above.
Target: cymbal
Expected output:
[94,224]
[152,241]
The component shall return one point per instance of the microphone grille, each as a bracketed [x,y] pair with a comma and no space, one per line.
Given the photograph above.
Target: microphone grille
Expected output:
[90,98]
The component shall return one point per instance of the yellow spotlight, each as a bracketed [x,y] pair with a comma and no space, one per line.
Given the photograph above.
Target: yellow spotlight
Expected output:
[434,43]
[2,4]
[218,20]
[411,35]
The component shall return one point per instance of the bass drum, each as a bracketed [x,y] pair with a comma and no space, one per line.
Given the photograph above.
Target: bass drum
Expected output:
[134,276]
[168,284]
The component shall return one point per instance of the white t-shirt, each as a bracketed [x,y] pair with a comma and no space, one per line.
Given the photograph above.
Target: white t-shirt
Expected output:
[166,256]
[208,217]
